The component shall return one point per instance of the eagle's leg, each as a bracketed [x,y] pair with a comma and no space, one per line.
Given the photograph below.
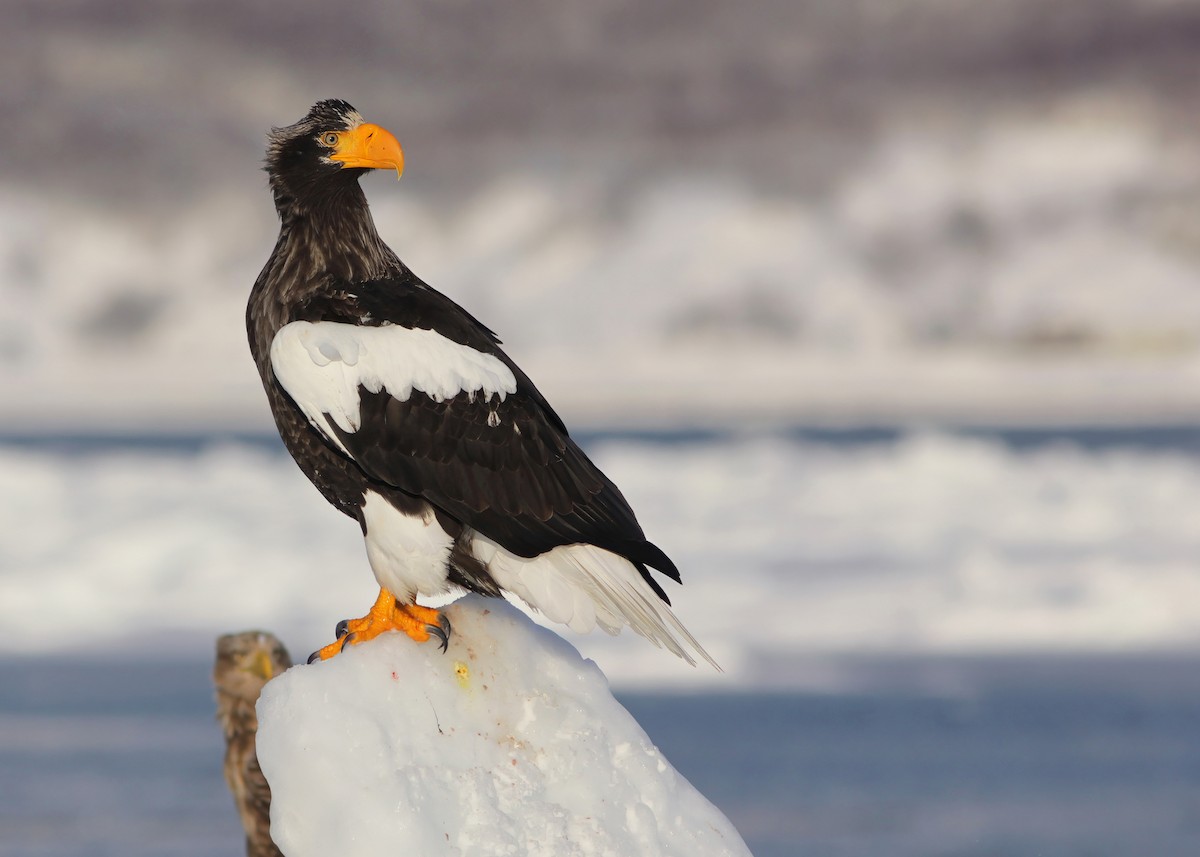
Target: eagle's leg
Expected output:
[387,614]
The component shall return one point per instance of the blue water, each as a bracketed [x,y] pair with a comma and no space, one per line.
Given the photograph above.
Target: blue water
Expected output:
[1074,756]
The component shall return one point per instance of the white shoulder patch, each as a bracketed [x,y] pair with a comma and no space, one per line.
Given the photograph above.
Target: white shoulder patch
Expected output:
[322,364]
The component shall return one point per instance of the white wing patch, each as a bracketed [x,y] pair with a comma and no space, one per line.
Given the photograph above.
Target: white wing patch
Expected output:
[583,586]
[322,364]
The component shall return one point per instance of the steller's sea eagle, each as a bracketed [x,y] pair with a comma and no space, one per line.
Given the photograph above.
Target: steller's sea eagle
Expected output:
[406,414]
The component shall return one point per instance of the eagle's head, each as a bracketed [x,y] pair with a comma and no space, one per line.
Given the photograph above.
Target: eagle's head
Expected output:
[324,153]
[245,662]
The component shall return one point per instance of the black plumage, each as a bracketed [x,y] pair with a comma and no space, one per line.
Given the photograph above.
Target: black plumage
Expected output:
[504,467]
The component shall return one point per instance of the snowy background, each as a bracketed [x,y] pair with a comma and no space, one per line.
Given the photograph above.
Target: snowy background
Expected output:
[783,210]
[791,547]
[884,314]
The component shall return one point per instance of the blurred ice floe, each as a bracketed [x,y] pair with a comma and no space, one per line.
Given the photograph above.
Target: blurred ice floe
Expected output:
[931,544]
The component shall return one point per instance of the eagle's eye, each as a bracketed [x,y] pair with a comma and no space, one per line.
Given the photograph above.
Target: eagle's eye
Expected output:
[329,138]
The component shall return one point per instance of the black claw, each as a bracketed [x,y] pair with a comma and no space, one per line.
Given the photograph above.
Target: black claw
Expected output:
[441,631]
[341,629]
[315,656]
[349,639]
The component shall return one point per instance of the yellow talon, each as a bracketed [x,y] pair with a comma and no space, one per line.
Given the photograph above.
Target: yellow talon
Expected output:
[387,614]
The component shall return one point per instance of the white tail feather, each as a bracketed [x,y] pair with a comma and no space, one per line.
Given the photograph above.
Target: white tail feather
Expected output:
[583,586]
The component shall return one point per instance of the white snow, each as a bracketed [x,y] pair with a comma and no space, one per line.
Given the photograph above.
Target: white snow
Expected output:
[510,743]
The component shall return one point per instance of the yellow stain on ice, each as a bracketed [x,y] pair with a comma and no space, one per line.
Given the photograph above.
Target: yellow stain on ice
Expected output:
[462,674]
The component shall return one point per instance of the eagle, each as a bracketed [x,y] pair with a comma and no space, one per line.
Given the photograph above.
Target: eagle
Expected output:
[245,663]
[407,415]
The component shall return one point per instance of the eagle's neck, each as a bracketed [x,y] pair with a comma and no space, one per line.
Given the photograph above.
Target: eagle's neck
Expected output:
[324,239]
[330,235]
[236,714]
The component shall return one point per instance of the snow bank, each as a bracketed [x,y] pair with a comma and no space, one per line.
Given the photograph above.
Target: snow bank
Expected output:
[930,543]
[509,743]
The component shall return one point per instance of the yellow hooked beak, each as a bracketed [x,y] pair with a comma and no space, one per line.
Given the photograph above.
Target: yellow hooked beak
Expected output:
[370,147]
[261,665]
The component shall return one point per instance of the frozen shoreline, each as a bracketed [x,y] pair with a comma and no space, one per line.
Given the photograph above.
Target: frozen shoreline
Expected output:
[918,543]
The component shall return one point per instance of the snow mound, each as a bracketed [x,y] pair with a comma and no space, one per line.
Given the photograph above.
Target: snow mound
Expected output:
[508,744]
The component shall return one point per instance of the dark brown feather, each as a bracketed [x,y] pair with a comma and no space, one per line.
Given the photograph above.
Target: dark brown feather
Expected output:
[245,663]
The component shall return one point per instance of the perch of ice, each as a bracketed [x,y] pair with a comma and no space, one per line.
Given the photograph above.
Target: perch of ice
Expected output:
[509,744]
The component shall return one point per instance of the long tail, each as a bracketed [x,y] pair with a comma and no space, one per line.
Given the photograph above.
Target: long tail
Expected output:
[584,586]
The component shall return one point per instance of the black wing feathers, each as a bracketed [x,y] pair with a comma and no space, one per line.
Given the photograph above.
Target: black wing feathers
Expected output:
[506,468]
